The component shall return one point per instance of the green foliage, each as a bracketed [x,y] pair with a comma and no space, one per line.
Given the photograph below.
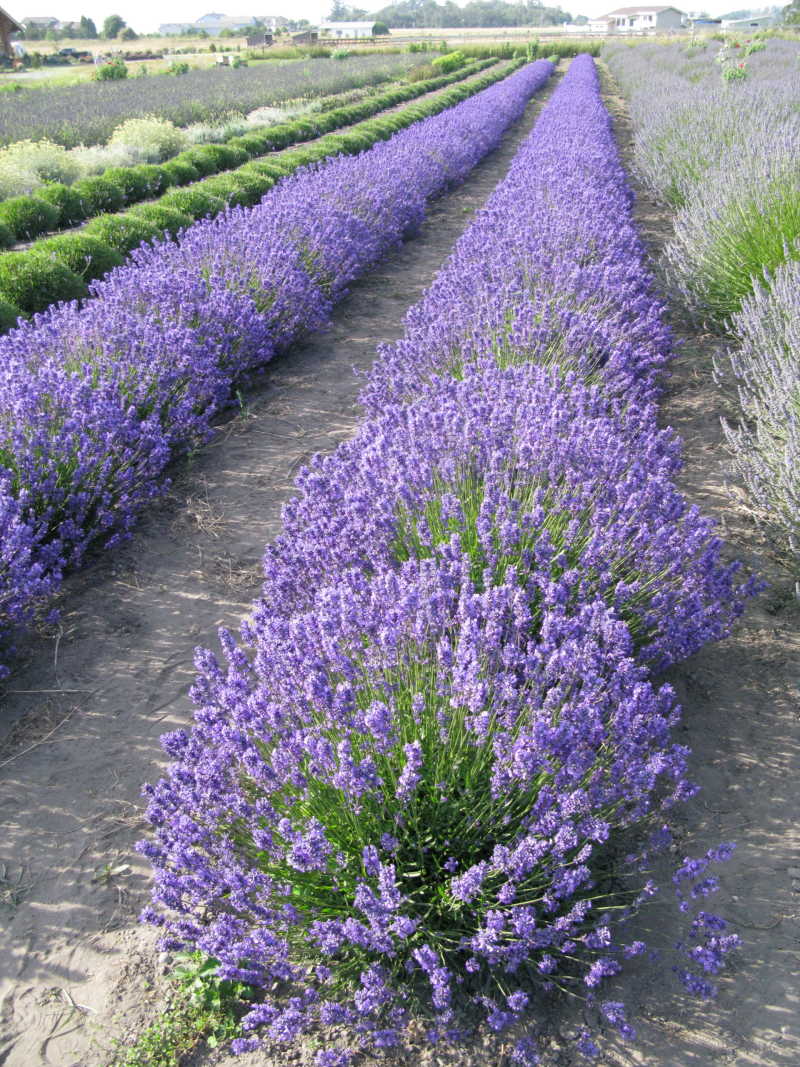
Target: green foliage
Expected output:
[735,73]
[226,188]
[111,72]
[8,316]
[167,219]
[180,170]
[99,195]
[206,1009]
[84,254]
[254,144]
[28,216]
[753,236]
[7,238]
[123,232]
[130,180]
[32,281]
[178,67]
[69,203]
[112,26]
[203,158]
[448,63]
[422,73]
[158,177]
[193,202]
[159,138]
[252,185]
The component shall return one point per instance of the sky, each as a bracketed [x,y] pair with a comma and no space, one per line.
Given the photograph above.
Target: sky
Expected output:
[146,15]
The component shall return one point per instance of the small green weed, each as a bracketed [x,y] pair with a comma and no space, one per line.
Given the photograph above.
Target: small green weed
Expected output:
[204,1008]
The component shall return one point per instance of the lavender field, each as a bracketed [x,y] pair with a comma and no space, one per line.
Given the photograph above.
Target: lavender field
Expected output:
[88,113]
[724,153]
[435,772]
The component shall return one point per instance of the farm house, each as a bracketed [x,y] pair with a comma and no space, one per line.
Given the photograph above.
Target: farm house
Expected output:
[641,19]
[7,27]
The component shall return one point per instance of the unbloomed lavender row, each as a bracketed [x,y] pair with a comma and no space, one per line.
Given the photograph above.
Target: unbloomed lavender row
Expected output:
[96,399]
[409,786]
[726,155]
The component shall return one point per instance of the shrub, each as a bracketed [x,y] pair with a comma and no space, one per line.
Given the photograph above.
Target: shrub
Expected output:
[9,314]
[180,171]
[212,158]
[158,138]
[86,255]
[765,368]
[130,180]
[48,161]
[111,72]
[253,144]
[158,177]
[450,62]
[32,281]
[421,73]
[167,219]
[123,232]
[735,228]
[7,238]
[69,203]
[192,201]
[99,195]
[225,187]
[227,156]
[204,162]
[28,216]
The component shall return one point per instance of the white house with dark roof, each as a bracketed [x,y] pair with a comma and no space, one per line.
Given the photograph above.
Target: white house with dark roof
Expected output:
[641,19]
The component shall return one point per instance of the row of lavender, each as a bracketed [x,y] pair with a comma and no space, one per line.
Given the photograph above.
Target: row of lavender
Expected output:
[411,785]
[725,155]
[95,399]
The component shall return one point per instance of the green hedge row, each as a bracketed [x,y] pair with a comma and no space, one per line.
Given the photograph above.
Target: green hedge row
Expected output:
[59,267]
[57,207]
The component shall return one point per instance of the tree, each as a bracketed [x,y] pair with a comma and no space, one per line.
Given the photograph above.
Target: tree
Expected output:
[88,30]
[112,26]
[345,13]
[380,29]
[127,34]
[791,14]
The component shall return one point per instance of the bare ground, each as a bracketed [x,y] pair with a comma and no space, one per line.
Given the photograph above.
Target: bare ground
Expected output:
[85,710]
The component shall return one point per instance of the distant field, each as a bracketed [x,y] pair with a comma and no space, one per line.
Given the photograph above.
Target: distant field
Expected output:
[88,113]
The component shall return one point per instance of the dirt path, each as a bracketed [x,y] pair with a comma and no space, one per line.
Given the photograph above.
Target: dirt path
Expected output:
[741,701]
[83,714]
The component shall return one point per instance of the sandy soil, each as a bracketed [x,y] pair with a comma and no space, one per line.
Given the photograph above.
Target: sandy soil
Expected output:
[84,711]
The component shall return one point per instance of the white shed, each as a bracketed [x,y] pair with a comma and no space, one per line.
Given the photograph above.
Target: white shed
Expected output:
[347,30]
[756,22]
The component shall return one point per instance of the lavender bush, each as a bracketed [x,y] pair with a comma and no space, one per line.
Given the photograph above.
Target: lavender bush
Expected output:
[765,366]
[88,113]
[422,779]
[726,155]
[96,399]
[541,275]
